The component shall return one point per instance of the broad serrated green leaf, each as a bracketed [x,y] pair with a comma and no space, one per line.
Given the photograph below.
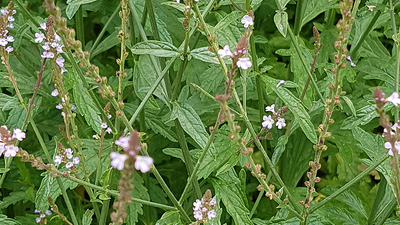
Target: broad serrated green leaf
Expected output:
[203,54]
[7,102]
[156,48]
[224,148]
[316,7]
[281,22]
[16,118]
[228,19]
[300,114]
[350,104]
[86,106]
[87,217]
[227,189]
[12,198]
[8,221]
[48,188]
[170,218]
[191,123]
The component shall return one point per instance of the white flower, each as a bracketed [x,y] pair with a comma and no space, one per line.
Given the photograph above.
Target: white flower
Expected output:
[59,106]
[280,123]
[57,159]
[10,19]
[48,212]
[123,142]
[3,42]
[68,153]
[178,1]
[118,160]
[109,116]
[57,38]
[18,134]
[247,21]
[389,146]
[224,52]
[2,149]
[213,202]
[4,12]
[60,61]
[76,161]
[108,130]
[268,122]
[394,99]
[143,163]
[244,63]
[59,49]
[95,136]
[196,205]
[63,114]
[198,215]
[38,219]
[280,83]
[103,125]
[42,26]
[73,107]
[270,108]
[10,38]
[69,165]
[9,49]
[11,151]
[211,214]
[54,93]
[39,37]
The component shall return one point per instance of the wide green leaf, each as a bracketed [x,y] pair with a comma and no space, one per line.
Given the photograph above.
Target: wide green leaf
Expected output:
[281,22]
[156,48]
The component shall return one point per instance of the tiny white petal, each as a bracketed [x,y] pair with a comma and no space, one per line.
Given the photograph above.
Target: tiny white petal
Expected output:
[143,163]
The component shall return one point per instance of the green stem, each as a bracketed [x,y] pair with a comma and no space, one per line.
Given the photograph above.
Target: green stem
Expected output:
[396,46]
[306,67]
[253,210]
[80,30]
[26,13]
[300,9]
[103,31]
[347,185]
[152,19]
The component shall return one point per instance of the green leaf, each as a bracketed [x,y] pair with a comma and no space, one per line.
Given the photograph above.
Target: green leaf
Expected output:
[300,114]
[281,22]
[86,106]
[170,217]
[13,198]
[227,188]
[156,48]
[229,19]
[316,7]
[109,42]
[7,221]
[283,3]
[203,54]
[191,123]
[279,148]
[48,188]
[4,170]
[87,217]
[16,117]
[350,104]
[7,102]
[71,10]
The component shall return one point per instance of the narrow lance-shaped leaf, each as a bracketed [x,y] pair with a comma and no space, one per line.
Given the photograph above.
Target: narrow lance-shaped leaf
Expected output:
[156,48]
[281,22]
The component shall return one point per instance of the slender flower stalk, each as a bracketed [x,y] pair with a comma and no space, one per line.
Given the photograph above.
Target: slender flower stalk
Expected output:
[343,27]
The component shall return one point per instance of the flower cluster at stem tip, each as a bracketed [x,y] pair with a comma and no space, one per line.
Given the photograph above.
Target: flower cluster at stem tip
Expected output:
[52,48]
[241,62]
[203,209]
[66,156]
[6,23]
[42,216]
[141,163]
[7,141]
[276,116]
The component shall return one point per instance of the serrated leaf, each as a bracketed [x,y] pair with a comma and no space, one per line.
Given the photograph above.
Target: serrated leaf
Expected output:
[316,7]
[86,106]
[228,19]
[48,188]
[279,148]
[300,114]
[170,217]
[13,198]
[227,189]
[7,102]
[71,10]
[87,217]
[7,221]
[156,48]
[135,208]
[191,123]
[350,104]
[159,127]
[281,22]
[16,117]
[203,54]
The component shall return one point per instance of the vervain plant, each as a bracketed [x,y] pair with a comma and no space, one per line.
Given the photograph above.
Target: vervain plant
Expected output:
[105,106]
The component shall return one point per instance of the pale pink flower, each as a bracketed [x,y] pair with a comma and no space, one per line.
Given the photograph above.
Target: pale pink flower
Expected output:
[118,160]
[143,163]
